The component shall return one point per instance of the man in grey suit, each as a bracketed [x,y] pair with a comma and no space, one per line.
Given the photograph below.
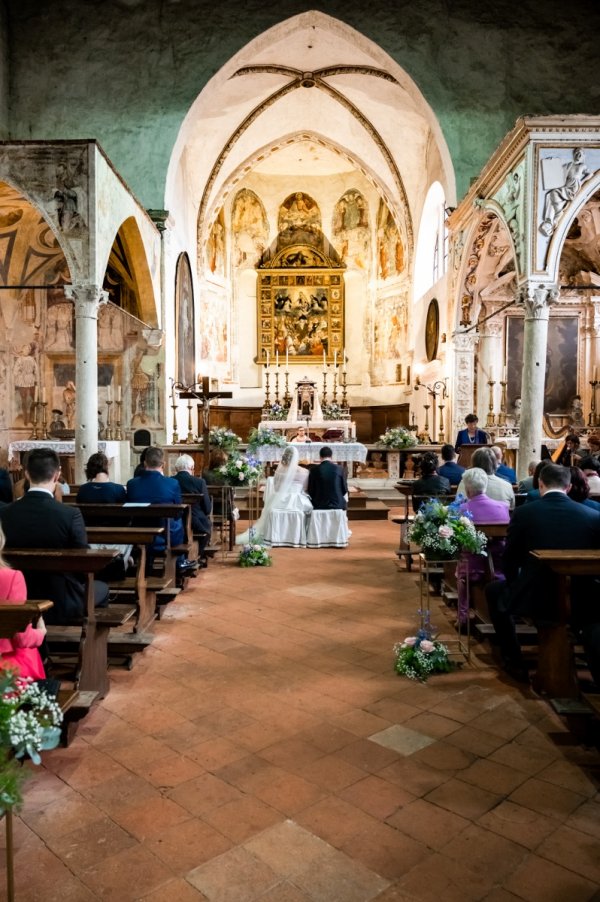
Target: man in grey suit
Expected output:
[327,486]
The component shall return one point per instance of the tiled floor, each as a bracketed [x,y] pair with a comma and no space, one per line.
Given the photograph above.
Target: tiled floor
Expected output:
[264,749]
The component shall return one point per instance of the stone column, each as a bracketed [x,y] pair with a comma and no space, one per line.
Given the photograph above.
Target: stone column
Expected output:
[536,301]
[592,356]
[491,360]
[463,382]
[87,297]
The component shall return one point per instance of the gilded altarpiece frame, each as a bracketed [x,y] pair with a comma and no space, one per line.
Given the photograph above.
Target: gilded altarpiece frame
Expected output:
[301,312]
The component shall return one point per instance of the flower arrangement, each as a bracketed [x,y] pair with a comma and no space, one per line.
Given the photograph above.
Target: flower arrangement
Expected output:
[443,531]
[254,554]
[419,656]
[276,411]
[29,724]
[259,437]
[334,411]
[398,437]
[219,437]
[240,470]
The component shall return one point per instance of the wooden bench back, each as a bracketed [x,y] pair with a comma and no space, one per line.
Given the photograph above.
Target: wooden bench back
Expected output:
[14,618]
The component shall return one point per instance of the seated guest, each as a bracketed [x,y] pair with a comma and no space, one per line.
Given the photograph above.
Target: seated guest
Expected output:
[579,489]
[153,487]
[430,484]
[502,471]
[195,485]
[99,489]
[142,464]
[471,435]
[497,488]
[483,510]
[534,493]
[566,455]
[21,652]
[450,470]
[6,486]
[22,485]
[526,485]
[594,446]
[212,476]
[327,486]
[553,522]
[591,469]
[37,521]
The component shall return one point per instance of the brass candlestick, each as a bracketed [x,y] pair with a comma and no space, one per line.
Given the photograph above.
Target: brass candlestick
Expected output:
[441,436]
[593,418]
[325,384]
[108,430]
[34,425]
[287,398]
[425,435]
[190,436]
[344,383]
[277,385]
[44,431]
[491,419]
[267,403]
[335,385]
[502,414]
[118,433]
[174,407]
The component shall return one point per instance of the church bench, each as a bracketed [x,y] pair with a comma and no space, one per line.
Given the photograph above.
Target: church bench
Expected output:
[91,633]
[224,519]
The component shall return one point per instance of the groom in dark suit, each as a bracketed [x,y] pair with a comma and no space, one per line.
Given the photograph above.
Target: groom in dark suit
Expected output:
[327,484]
[38,521]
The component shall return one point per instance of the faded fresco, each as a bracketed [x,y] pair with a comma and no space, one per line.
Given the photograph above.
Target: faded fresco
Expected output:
[390,246]
[299,221]
[350,229]
[561,362]
[185,339]
[215,247]
[390,328]
[250,228]
[214,327]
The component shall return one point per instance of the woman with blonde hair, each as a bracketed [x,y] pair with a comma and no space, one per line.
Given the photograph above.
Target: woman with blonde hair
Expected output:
[21,652]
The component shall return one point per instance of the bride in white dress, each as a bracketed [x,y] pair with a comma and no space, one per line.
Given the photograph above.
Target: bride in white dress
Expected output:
[286,506]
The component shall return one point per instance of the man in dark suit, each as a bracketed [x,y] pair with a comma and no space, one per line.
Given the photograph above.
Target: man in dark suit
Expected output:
[201,508]
[153,487]
[38,521]
[327,486]
[450,470]
[555,521]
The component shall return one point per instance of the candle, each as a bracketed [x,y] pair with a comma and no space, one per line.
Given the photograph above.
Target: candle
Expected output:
[504,375]
[324,360]
[287,357]
[267,358]
[595,376]
[335,358]
[109,393]
[43,394]
[344,353]
[277,358]
[36,393]
[119,398]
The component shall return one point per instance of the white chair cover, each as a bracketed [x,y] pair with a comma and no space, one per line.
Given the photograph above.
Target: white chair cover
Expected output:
[328,529]
[285,522]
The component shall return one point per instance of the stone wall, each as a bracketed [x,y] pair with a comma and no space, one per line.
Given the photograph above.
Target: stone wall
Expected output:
[479,67]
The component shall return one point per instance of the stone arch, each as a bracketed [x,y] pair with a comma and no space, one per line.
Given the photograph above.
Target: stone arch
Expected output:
[129,256]
[557,242]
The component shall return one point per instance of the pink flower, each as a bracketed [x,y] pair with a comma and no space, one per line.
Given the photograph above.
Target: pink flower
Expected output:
[445,532]
[410,641]
[426,646]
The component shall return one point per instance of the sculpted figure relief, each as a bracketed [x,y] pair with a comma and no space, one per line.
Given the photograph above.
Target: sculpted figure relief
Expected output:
[575,174]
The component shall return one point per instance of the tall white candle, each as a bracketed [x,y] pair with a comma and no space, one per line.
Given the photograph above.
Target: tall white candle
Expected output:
[287,358]
[109,393]
[267,358]
[595,376]
[119,397]
[276,358]
[335,358]
[36,393]
[43,394]
[324,360]
[504,374]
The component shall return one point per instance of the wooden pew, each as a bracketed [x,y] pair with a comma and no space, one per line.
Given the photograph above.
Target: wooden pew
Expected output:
[556,675]
[190,498]
[93,630]
[225,521]
[143,588]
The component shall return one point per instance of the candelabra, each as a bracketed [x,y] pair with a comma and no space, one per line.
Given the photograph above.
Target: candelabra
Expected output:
[174,408]
[108,430]
[44,432]
[441,437]
[190,436]
[491,419]
[324,398]
[267,403]
[593,418]
[413,426]
[34,425]
[277,385]
[425,434]
[287,398]
[344,383]
[118,433]
[334,385]
[438,389]
[502,414]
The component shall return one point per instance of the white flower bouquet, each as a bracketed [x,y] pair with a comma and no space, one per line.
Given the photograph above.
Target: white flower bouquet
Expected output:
[398,437]
[419,656]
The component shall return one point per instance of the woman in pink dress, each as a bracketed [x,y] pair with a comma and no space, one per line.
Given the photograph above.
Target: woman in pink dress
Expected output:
[21,652]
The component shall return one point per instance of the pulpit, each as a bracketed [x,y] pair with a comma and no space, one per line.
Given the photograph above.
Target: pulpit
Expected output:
[466,452]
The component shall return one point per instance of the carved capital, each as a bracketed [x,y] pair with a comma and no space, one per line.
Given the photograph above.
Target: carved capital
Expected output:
[87,297]
[537,300]
[464,342]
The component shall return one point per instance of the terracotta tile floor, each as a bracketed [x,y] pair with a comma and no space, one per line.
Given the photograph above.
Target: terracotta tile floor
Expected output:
[264,749]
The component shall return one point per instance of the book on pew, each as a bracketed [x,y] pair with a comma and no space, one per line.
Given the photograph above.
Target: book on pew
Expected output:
[137,504]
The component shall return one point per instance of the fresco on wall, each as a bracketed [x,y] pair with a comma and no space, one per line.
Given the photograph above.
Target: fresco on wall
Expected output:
[390,328]
[215,247]
[111,321]
[185,339]
[561,362]
[299,221]
[351,229]
[214,322]
[250,228]
[390,246]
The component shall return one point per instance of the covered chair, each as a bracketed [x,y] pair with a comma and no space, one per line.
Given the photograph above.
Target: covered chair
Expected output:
[328,529]
[285,521]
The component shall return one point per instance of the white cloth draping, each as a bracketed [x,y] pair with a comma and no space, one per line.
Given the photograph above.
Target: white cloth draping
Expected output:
[341,451]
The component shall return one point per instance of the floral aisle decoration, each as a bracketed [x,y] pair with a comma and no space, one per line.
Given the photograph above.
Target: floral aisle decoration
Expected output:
[260,437]
[334,411]
[398,437]
[276,411]
[29,724]
[444,532]
[241,470]
[419,656]
[226,439]
[255,554]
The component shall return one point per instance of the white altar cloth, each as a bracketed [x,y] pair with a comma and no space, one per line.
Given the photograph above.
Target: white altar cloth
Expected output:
[111,449]
[347,426]
[343,452]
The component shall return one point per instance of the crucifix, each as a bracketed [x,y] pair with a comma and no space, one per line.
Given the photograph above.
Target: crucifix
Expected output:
[201,392]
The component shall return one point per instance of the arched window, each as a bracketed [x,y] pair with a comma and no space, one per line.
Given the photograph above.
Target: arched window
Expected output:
[432,246]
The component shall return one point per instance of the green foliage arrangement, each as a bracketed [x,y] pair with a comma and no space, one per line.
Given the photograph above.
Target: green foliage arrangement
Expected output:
[260,437]
[398,437]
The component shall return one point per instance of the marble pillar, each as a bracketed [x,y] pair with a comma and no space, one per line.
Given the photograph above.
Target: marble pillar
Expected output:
[536,301]
[463,381]
[490,366]
[592,357]
[86,297]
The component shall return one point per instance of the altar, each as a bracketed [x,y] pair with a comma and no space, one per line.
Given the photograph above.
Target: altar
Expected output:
[306,410]
[118,454]
[342,452]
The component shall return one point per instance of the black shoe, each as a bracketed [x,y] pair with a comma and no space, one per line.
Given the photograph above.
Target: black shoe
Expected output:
[186,566]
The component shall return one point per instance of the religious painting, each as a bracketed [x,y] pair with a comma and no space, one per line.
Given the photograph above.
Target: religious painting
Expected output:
[301,326]
[561,362]
[250,228]
[299,221]
[185,341]
[432,330]
[215,247]
[390,328]
[350,229]
[214,327]
[390,246]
